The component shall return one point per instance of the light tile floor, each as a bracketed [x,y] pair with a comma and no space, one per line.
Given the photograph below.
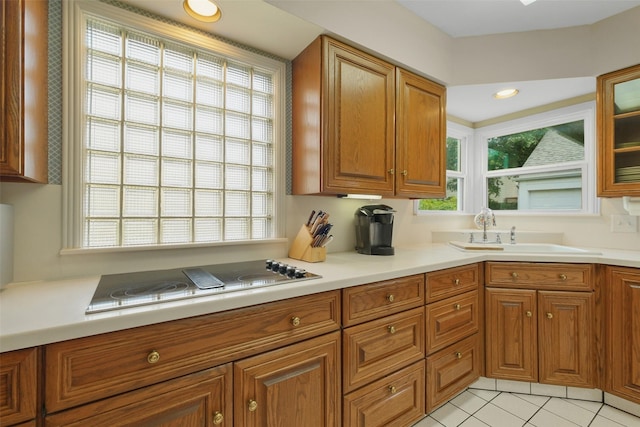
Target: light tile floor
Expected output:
[484,408]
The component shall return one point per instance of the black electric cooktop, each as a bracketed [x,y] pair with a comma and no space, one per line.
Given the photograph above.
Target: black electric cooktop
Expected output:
[117,291]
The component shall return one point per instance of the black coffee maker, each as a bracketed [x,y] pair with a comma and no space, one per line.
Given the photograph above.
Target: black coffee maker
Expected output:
[374,230]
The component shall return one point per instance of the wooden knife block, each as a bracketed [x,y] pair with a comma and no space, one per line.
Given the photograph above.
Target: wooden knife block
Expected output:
[301,248]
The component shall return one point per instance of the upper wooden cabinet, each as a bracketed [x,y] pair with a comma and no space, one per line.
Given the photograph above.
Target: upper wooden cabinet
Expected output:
[23,91]
[618,106]
[361,125]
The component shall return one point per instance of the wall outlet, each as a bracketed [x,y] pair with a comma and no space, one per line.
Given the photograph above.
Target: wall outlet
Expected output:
[624,223]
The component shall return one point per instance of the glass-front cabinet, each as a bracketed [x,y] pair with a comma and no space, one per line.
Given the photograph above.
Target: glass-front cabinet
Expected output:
[618,106]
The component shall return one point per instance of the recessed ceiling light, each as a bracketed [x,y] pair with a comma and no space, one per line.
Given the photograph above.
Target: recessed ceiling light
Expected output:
[527,2]
[505,93]
[203,10]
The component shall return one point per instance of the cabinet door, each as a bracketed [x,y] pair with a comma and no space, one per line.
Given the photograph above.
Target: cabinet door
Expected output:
[18,385]
[359,127]
[420,137]
[395,400]
[196,400]
[297,385]
[623,332]
[380,347]
[452,369]
[511,342]
[23,95]
[618,119]
[565,340]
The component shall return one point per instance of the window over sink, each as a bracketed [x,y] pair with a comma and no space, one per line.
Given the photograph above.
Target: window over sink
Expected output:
[174,137]
[544,163]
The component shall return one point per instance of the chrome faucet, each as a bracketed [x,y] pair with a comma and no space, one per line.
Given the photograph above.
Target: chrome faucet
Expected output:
[487,214]
[512,235]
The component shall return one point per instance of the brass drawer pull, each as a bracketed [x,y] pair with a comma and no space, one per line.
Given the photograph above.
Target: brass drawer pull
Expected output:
[528,313]
[153,357]
[458,355]
[549,315]
[253,405]
[391,329]
[514,275]
[456,306]
[295,321]
[391,171]
[392,389]
[563,277]
[217,418]
[456,282]
[391,298]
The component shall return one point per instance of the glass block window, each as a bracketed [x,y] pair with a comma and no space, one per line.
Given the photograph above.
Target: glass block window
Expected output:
[178,142]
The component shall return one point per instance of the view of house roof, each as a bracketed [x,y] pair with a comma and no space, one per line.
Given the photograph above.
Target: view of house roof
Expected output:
[554,147]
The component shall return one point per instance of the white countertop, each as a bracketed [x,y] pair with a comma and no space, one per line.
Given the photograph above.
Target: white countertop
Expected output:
[37,313]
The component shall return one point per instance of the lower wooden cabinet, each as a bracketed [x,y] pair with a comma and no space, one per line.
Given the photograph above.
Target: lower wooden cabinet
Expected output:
[395,400]
[200,399]
[18,386]
[452,369]
[379,347]
[623,332]
[541,336]
[511,327]
[297,385]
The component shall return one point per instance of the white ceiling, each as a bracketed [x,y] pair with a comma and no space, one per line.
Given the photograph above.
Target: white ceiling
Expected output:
[460,18]
[261,25]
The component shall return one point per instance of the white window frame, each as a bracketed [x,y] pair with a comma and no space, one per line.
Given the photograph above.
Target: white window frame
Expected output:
[474,159]
[75,13]
[465,135]
[584,111]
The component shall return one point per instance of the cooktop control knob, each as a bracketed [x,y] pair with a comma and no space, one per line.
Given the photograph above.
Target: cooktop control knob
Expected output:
[268,263]
[291,271]
[275,266]
[300,273]
[283,268]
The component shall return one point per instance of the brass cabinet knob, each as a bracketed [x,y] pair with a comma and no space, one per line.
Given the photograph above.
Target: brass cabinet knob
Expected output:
[549,315]
[153,357]
[458,355]
[392,389]
[295,321]
[253,405]
[391,171]
[514,275]
[392,329]
[456,282]
[217,418]
[390,298]
[404,172]
[563,277]
[456,306]
[528,313]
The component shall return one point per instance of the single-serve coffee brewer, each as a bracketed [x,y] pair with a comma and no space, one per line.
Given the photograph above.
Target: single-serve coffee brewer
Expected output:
[374,230]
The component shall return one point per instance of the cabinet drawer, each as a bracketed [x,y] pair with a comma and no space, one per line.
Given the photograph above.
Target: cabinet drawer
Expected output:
[540,275]
[374,300]
[377,348]
[204,396]
[452,281]
[452,319]
[450,370]
[18,386]
[396,400]
[86,369]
